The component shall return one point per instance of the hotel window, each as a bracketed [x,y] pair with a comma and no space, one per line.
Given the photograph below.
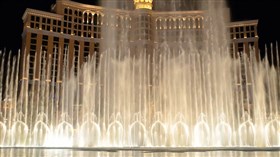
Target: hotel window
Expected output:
[77,23]
[97,26]
[32,53]
[231,30]
[55,56]
[196,22]
[59,27]
[45,41]
[87,29]
[55,42]
[180,23]
[158,24]
[193,24]
[65,17]
[43,62]
[231,48]
[85,18]
[144,30]
[189,23]
[252,45]
[239,32]
[173,23]
[67,14]
[32,24]
[65,57]
[64,27]
[66,44]
[67,25]
[37,19]
[66,49]
[242,32]
[250,31]
[31,65]
[35,22]
[46,24]
[86,51]
[32,18]
[44,20]
[76,56]
[54,25]
[240,47]
[168,25]
[201,22]
[90,19]
[96,47]
[33,39]
[79,30]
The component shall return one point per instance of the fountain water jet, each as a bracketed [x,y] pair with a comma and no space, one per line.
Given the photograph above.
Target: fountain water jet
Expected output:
[173,95]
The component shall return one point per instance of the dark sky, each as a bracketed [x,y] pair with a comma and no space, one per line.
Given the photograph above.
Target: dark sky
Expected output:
[267,11]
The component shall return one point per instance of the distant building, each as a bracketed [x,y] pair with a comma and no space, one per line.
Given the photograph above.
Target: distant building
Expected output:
[243,35]
[77,28]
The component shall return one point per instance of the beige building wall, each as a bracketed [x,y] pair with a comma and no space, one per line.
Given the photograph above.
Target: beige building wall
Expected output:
[74,30]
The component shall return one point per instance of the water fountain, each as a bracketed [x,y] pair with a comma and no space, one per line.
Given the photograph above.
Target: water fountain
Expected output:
[183,99]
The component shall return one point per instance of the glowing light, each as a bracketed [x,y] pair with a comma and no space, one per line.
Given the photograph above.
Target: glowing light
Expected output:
[201,132]
[143,4]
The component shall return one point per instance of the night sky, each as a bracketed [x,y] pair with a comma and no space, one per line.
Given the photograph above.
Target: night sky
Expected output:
[267,11]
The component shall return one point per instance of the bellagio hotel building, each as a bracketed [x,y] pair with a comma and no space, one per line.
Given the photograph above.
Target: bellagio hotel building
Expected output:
[76,28]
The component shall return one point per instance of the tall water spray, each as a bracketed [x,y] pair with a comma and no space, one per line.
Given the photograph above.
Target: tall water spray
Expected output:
[188,93]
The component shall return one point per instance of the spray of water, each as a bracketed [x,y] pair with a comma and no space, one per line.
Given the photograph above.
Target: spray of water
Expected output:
[184,94]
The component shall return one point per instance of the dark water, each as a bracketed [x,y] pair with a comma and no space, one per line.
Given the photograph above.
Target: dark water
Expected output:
[35,152]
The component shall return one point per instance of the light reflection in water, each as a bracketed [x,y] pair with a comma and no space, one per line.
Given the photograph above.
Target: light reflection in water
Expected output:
[78,153]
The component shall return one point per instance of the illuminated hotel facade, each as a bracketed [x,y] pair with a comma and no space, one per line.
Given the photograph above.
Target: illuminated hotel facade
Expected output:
[76,28]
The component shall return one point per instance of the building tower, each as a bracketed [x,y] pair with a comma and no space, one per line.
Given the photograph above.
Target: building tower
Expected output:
[142,25]
[144,43]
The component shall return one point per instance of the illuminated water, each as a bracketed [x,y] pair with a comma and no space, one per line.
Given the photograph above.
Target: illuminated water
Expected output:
[193,100]
[130,153]
[184,96]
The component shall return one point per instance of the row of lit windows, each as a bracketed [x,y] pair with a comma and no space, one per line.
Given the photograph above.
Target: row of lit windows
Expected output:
[44,56]
[116,21]
[86,50]
[243,32]
[55,57]
[68,27]
[55,54]
[90,27]
[70,12]
[93,18]
[45,23]
[32,54]
[86,17]
[88,23]
[179,23]
[143,23]
[76,55]
[83,30]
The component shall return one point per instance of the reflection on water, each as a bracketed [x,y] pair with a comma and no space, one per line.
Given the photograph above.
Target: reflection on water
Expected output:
[79,153]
